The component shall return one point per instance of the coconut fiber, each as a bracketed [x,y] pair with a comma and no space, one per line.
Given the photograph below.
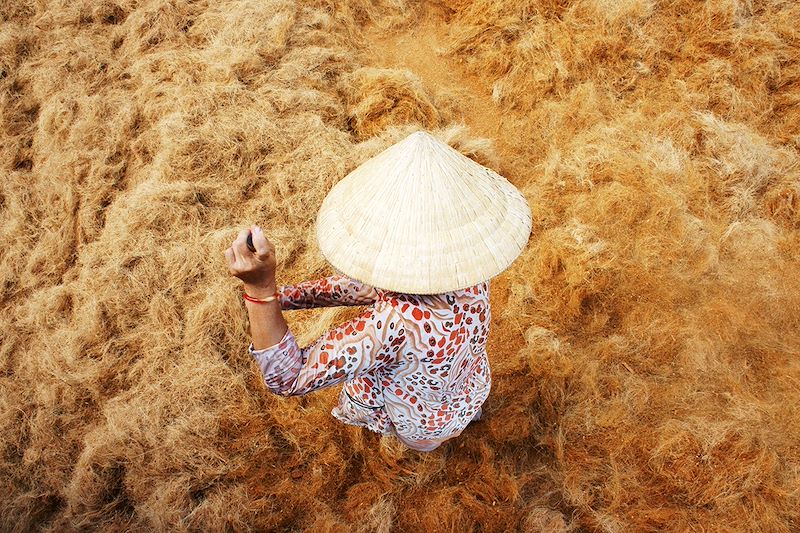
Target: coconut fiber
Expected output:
[645,347]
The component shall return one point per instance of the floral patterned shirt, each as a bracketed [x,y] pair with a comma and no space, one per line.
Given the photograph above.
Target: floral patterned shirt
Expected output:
[412,365]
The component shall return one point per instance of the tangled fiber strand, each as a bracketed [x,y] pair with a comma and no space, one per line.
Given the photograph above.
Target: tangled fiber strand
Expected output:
[644,347]
[659,302]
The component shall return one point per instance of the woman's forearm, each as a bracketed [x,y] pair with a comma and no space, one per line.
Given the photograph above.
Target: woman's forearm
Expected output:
[267,325]
[255,265]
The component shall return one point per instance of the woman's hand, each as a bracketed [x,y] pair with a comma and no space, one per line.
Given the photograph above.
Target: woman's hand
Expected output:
[255,269]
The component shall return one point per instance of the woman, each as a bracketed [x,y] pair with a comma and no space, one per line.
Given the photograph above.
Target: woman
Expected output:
[424,228]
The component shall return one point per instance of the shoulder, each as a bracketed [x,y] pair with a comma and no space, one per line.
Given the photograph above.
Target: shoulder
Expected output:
[387,324]
[384,313]
[379,322]
[470,293]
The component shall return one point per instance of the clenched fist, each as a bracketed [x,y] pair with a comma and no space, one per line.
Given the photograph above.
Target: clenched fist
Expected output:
[255,269]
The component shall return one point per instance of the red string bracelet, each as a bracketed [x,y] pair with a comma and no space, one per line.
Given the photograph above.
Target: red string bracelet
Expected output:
[261,300]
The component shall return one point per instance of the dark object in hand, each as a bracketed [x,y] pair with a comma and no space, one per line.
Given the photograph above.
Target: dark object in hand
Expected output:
[250,242]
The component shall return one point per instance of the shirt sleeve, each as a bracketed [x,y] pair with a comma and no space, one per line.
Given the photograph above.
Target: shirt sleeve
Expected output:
[327,292]
[368,342]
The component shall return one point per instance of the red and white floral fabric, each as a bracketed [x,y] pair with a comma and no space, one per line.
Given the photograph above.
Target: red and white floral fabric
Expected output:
[412,365]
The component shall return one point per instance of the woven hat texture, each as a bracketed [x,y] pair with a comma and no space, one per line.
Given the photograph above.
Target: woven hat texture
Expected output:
[422,218]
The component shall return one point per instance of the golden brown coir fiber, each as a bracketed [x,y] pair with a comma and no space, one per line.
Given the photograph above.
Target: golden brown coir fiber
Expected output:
[644,347]
[659,300]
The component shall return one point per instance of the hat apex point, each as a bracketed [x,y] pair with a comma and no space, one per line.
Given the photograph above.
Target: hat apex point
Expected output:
[421,140]
[420,135]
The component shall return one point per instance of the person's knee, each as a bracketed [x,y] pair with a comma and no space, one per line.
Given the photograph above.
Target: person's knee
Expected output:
[425,448]
[420,446]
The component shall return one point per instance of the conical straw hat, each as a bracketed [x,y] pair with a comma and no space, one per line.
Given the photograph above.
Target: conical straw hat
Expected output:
[422,218]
